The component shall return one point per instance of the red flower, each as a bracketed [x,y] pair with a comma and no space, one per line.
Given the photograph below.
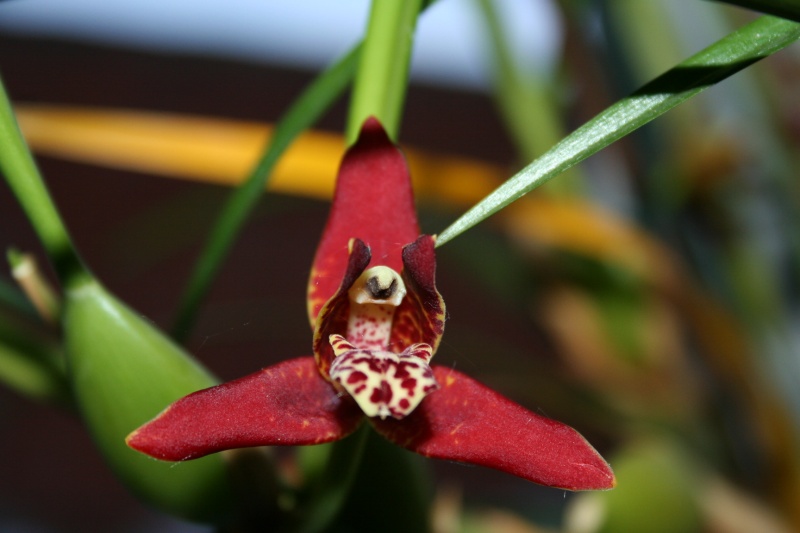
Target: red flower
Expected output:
[377,320]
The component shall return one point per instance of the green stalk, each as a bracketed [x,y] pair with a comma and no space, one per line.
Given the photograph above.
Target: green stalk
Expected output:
[722,59]
[380,85]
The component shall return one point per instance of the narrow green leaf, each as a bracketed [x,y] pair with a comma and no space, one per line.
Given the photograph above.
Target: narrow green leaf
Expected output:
[789,9]
[724,58]
[380,85]
[306,110]
[22,176]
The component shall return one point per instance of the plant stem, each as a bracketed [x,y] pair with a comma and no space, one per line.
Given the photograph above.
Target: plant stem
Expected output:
[380,85]
[22,176]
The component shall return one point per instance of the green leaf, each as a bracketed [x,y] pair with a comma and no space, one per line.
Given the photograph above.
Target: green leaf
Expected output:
[22,176]
[124,372]
[525,101]
[302,114]
[330,487]
[724,58]
[658,492]
[31,362]
[789,9]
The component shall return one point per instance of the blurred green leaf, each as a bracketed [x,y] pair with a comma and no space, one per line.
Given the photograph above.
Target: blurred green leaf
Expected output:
[301,115]
[12,297]
[657,491]
[789,9]
[409,491]
[525,101]
[724,58]
[124,372]
[31,362]
[20,172]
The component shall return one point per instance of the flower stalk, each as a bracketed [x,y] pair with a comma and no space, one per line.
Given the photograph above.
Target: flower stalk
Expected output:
[380,85]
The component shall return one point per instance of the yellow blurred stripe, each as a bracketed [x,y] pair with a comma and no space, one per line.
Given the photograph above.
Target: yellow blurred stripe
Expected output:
[195,148]
[223,151]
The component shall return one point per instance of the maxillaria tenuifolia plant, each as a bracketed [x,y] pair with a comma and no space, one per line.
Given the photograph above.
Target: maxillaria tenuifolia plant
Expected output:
[634,344]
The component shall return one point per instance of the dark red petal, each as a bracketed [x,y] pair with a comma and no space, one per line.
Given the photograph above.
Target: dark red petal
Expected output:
[373,202]
[420,318]
[333,317]
[285,404]
[468,422]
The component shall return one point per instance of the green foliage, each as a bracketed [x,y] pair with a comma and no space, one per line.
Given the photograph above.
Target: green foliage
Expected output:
[123,372]
[724,58]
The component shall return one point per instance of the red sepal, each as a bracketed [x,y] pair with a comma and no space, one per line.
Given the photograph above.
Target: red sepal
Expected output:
[285,404]
[468,422]
[373,202]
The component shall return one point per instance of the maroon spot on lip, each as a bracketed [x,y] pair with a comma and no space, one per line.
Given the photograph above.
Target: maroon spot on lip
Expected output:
[356,376]
[382,394]
[401,372]
[409,384]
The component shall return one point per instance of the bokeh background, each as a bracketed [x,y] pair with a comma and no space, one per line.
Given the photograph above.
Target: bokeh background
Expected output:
[649,298]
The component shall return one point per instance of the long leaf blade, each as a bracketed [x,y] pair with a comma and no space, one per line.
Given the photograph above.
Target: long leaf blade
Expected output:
[722,59]
[789,9]
[300,116]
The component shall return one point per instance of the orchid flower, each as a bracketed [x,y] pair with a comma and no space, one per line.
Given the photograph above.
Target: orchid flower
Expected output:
[377,319]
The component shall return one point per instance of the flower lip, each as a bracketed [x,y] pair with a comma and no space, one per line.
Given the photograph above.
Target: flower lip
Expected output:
[383,383]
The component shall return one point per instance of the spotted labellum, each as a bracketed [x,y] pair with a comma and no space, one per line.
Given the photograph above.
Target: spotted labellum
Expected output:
[377,319]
